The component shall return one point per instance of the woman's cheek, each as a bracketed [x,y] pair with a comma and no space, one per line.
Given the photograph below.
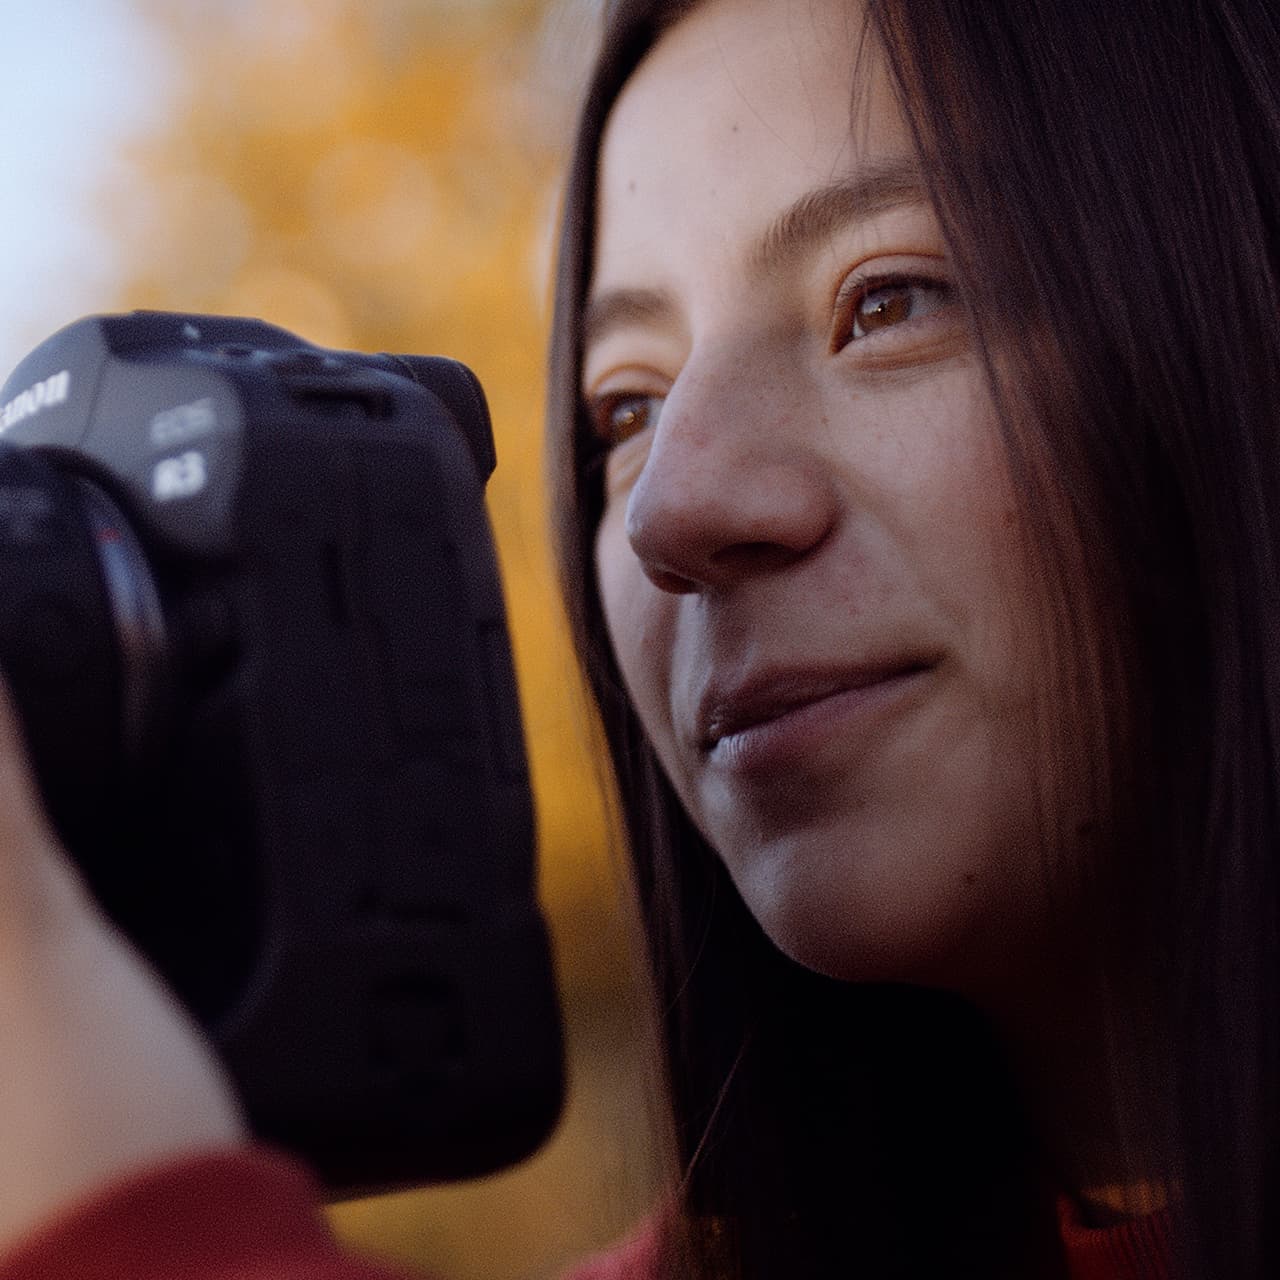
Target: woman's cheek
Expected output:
[623,592]
[642,623]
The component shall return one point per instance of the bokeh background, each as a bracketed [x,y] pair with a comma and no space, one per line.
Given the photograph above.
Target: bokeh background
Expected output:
[380,175]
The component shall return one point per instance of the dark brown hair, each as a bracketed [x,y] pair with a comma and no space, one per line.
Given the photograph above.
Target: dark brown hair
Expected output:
[1108,180]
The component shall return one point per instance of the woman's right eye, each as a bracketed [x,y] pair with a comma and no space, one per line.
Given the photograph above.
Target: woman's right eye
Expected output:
[619,415]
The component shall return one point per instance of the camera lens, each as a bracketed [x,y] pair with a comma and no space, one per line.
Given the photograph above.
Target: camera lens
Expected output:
[81,638]
[136,616]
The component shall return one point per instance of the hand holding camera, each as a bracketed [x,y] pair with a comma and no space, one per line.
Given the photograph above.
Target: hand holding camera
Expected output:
[102,1071]
[251,619]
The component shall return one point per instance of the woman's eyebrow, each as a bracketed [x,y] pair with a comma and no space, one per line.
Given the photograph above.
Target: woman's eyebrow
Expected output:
[621,308]
[812,219]
[816,215]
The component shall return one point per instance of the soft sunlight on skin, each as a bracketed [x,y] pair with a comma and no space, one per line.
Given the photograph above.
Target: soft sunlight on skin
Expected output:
[809,562]
[814,573]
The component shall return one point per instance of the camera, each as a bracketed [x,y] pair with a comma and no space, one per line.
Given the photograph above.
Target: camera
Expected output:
[251,618]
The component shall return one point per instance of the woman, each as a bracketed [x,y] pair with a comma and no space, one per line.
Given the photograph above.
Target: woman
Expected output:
[914,420]
[932,512]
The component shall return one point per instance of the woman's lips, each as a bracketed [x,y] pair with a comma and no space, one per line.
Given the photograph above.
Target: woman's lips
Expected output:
[766,723]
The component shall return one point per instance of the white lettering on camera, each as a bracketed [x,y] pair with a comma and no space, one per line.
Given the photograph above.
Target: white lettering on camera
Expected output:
[44,395]
[183,422]
[180,477]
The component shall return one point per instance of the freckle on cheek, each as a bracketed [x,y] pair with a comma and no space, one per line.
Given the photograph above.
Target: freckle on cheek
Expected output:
[970,878]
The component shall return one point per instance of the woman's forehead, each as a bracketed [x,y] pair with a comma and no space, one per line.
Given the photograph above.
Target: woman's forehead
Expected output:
[740,109]
[750,54]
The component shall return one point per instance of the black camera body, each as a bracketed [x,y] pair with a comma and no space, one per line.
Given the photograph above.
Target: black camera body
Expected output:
[251,616]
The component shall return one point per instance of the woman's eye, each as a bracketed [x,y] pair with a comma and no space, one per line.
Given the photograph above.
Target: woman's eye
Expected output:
[619,416]
[871,307]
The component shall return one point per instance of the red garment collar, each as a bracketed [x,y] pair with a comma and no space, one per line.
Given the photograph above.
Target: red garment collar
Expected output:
[1136,1249]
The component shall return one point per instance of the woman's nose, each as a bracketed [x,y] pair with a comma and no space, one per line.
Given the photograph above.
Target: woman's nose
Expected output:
[732,486]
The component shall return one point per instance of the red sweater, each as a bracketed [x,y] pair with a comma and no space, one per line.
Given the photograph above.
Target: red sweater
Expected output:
[250,1215]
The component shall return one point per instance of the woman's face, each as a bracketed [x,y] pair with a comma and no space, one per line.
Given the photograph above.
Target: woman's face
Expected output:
[811,564]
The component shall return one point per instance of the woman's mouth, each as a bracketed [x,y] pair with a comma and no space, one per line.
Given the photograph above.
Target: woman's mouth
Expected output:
[781,717]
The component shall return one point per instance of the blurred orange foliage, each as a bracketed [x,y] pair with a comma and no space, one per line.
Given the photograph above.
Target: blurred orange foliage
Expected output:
[382,175]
